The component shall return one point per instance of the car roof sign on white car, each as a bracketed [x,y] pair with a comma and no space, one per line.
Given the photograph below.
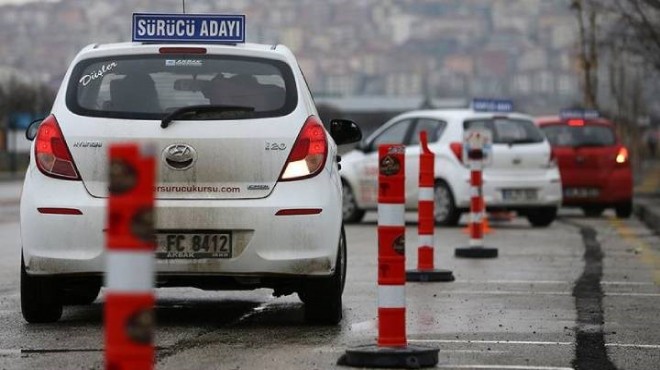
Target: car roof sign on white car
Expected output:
[206,28]
[492,105]
[566,114]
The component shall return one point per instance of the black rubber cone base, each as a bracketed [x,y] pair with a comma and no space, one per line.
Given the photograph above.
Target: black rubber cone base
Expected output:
[429,275]
[409,357]
[476,252]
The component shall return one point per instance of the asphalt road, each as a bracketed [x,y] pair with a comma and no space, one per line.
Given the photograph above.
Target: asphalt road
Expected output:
[583,293]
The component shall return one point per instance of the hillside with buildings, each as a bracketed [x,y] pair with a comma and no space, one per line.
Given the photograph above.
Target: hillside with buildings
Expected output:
[523,49]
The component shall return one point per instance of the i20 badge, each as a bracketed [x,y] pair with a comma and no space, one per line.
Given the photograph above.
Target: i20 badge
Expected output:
[179,156]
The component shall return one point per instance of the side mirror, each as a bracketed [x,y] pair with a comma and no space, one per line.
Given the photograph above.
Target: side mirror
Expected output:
[33,127]
[344,131]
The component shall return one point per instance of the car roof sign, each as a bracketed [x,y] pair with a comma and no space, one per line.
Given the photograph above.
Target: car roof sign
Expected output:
[492,105]
[199,28]
[566,114]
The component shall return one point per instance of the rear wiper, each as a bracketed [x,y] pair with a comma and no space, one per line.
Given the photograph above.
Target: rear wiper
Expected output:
[588,144]
[521,141]
[194,110]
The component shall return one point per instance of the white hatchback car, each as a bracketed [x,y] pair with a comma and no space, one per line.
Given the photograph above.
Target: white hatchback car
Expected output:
[242,157]
[522,176]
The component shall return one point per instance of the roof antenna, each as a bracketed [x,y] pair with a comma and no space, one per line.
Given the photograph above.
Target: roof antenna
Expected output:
[184,6]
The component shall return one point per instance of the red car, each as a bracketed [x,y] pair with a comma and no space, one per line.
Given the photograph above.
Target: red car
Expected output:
[594,165]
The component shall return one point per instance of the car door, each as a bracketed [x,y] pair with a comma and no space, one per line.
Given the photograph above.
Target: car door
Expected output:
[434,129]
[397,132]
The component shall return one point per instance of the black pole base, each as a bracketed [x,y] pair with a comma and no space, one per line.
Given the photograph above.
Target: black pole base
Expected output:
[476,252]
[409,357]
[429,275]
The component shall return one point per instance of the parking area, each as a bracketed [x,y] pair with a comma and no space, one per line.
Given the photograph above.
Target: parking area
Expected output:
[582,289]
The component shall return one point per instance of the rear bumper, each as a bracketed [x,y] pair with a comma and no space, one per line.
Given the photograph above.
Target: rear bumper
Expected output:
[263,244]
[546,183]
[614,188]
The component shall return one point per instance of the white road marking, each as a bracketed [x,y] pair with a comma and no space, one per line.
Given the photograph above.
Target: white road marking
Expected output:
[464,341]
[502,292]
[632,294]
[505,367]
[529,342]
[518,292]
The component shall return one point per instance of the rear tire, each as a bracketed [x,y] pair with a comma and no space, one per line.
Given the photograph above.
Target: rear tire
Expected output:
[40,298]
[445,212]
[624,210]
[541,217]
[322,297]
[593,211]
[351,213]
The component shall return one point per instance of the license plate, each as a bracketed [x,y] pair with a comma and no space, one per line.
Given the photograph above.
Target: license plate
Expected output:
[193,245]
[519,194]
[581,192]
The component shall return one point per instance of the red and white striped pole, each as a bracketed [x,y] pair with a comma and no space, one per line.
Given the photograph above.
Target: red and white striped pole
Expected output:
[476,247]
[392,349]
[129,298]
[391,247]
[426,220]
[476,205]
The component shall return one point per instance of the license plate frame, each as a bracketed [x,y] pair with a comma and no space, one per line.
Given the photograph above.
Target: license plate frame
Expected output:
[581,192]
[199,244]
[519,195]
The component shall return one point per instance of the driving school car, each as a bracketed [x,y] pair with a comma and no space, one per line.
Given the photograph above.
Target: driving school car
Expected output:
[595,166]
[522,175]
[248,193]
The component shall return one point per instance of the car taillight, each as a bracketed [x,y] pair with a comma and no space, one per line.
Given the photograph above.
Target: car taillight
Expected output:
[309,152]
[51,152]
[457,149]
[622,155]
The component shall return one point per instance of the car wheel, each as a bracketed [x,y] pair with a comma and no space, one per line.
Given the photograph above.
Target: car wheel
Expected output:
[80,294]
[322,297]
[593,211]
[541,217]
[40,298]
[624,210]
[445,212]
[351,213]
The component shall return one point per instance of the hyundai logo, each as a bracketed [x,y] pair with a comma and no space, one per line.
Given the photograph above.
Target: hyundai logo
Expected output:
[179,156]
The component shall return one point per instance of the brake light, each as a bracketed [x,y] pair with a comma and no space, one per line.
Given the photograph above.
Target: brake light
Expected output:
[181,50]
[622,155]
[309,152]
[51,152]
[457,149]
[576,122]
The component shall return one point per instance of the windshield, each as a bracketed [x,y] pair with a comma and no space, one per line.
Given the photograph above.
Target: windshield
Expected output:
[574,136]
[152,86]
[508,130]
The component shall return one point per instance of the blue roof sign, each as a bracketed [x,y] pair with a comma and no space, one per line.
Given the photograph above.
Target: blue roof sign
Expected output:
[579,114]
[188,28]
[492,105]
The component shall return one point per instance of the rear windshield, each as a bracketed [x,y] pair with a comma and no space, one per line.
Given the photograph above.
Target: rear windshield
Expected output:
[574,136]
[151,86]
[508,130]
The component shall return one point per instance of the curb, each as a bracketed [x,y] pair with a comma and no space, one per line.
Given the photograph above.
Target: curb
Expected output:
[648,211]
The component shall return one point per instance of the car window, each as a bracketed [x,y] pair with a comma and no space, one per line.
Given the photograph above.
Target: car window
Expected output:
[395,134]
[573,136]
[150,86]
[434,130]
[508,130]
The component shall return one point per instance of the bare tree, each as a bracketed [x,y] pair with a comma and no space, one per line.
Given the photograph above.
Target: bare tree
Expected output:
[640,28]
[587,13]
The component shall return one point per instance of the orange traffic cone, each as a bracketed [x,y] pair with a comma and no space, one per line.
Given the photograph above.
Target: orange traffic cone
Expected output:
[487,229]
